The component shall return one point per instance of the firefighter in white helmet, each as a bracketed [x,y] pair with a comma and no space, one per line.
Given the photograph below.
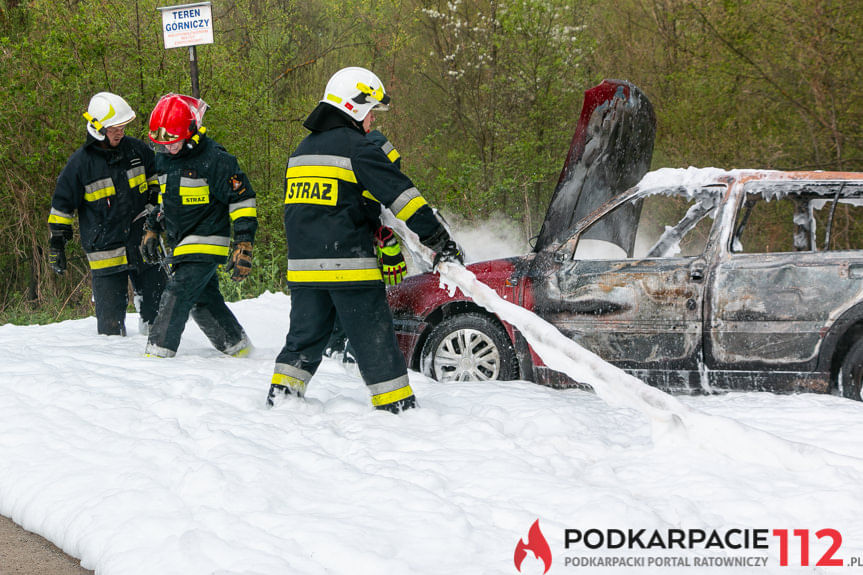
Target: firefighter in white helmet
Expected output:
[332,264]
[110,182]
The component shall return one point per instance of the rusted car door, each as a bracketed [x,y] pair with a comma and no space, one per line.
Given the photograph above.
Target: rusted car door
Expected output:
[773,300]
[643,313]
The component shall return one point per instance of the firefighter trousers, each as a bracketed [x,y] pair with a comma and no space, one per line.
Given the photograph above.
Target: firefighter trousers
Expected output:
[111,296]
[368,324]
[194,289]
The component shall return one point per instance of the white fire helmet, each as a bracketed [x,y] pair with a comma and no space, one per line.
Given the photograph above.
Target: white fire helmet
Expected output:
[106,110]
[356,91]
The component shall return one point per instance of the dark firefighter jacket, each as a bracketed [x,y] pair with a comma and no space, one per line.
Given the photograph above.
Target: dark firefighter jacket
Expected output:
[370,204]
[381,141]
[202,191]
[110,189]
[329,234]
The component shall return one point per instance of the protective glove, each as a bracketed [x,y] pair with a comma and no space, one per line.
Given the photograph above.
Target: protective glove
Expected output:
[151,248]
[240,263]
[155,220]
[57,254]
[390,258]
[450,252]
[445,249]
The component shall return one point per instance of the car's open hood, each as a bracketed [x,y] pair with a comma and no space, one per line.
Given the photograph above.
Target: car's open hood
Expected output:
[610,152]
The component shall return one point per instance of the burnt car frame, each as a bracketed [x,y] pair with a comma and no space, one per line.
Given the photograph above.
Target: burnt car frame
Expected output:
[704,280]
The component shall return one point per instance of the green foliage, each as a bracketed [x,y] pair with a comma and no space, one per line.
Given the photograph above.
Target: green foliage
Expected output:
[486,94]
[740,84]
[508,75]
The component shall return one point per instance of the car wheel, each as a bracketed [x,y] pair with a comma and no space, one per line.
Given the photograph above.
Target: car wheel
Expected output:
[469,347]
[851,372]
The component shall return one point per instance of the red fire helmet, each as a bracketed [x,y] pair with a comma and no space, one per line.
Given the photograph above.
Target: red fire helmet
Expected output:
[175,117]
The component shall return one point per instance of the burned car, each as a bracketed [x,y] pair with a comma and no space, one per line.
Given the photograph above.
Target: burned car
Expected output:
[692,280]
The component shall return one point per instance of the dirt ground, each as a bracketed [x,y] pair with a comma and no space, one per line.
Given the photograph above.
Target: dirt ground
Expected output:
[25,553]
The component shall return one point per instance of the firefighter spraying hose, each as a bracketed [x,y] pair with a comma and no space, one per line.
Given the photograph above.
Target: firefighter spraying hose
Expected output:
[333,179]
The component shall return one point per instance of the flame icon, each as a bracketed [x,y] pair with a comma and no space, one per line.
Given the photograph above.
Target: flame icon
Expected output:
[535,542]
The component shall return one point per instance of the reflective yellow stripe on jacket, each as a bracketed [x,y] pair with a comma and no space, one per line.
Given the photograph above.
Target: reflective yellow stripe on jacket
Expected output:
[137,179]
[334,270]
[58,217]
[107,259]
[162,182]
[314,179]
[245,209]
[213,245]
[407,204]
[99,189]
[391,151]
[321,166]
[194,191]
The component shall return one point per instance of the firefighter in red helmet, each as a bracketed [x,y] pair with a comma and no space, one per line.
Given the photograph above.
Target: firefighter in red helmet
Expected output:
[203,194]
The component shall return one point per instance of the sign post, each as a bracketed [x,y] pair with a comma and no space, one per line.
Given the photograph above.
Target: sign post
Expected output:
[188,25]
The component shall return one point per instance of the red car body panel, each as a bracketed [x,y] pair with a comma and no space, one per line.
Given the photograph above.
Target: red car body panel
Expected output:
[419,297]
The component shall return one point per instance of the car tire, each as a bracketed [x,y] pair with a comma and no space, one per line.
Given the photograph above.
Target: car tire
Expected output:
[469,347]
[851,371]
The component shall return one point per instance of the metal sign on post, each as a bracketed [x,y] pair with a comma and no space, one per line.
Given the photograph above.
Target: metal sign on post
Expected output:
[188,25]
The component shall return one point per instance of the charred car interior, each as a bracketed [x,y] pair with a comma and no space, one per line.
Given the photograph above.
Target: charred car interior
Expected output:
[693,280]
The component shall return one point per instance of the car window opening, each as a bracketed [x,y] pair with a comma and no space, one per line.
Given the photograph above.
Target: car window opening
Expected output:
[778,217]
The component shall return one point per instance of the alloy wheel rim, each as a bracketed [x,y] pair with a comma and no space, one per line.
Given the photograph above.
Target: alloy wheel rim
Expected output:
[466,355]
